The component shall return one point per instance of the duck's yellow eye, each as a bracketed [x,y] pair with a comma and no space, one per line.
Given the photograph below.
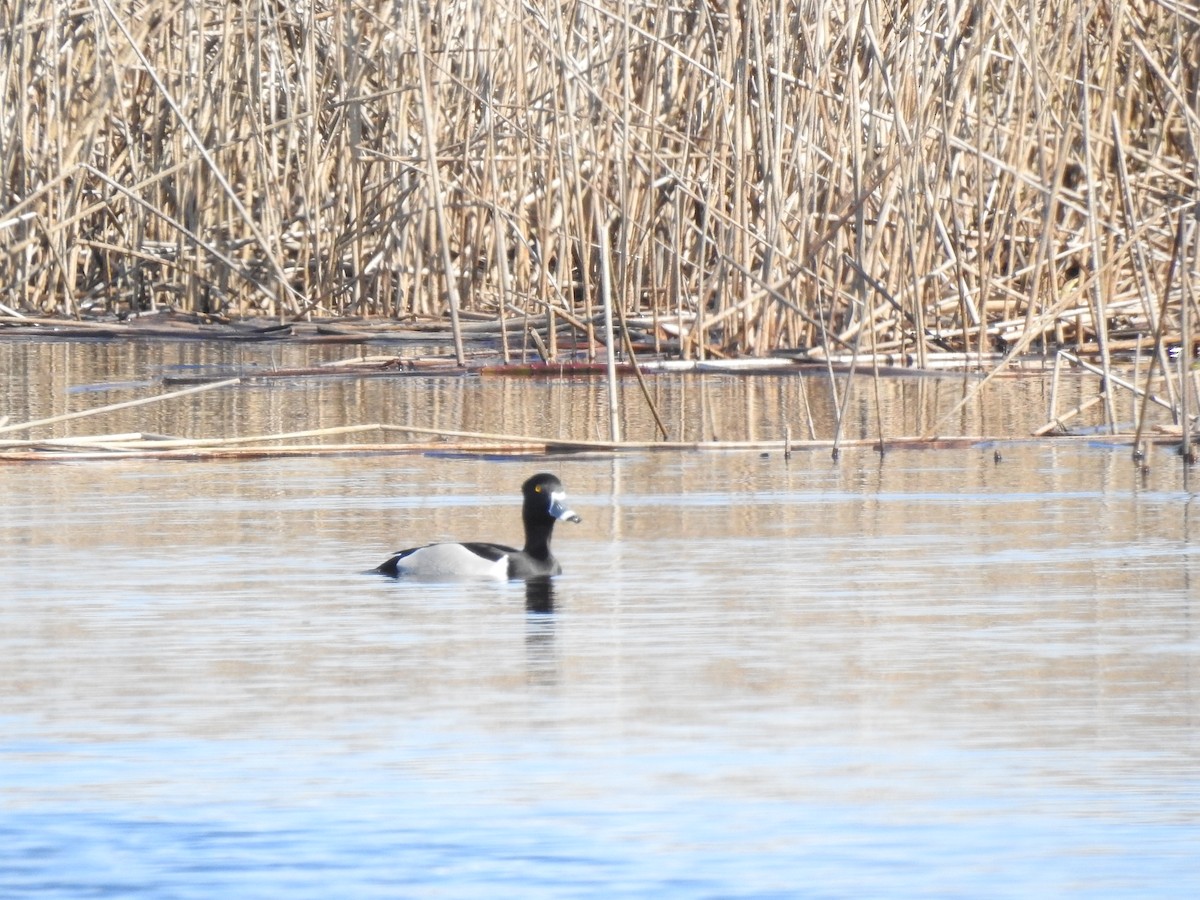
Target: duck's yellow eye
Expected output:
[537,488]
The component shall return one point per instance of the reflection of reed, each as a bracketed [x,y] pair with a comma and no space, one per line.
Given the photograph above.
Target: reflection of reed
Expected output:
[483,414]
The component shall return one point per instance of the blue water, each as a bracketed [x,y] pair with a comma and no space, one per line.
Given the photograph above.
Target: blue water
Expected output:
[528,816]
[533,817]
[931,678]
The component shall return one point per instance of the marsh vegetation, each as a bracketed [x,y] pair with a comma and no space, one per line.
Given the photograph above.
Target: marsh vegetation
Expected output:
[838,178]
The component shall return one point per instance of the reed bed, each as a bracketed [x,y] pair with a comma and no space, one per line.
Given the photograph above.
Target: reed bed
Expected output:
[831,178]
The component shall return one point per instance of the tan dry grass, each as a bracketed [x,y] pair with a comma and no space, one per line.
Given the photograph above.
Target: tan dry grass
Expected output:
[916,176]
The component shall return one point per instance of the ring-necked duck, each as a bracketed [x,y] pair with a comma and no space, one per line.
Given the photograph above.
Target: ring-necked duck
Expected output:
[544,505]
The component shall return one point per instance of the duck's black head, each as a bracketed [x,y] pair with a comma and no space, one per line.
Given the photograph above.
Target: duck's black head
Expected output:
[546,496]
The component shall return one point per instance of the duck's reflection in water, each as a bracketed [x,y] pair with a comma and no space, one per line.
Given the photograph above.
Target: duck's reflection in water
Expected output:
[541,662]
[539,595]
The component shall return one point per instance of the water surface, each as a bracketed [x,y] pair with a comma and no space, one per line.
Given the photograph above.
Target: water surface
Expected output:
[933,674]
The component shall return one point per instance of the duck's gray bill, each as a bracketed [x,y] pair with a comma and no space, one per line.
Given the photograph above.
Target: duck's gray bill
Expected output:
[560,511]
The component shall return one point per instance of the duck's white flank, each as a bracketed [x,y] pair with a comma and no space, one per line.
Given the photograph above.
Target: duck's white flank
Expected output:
[451,561]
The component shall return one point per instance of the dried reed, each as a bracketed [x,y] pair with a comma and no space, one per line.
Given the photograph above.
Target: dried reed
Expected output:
[934,176]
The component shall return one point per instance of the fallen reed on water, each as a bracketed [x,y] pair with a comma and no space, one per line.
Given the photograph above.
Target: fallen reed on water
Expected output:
[853,177]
